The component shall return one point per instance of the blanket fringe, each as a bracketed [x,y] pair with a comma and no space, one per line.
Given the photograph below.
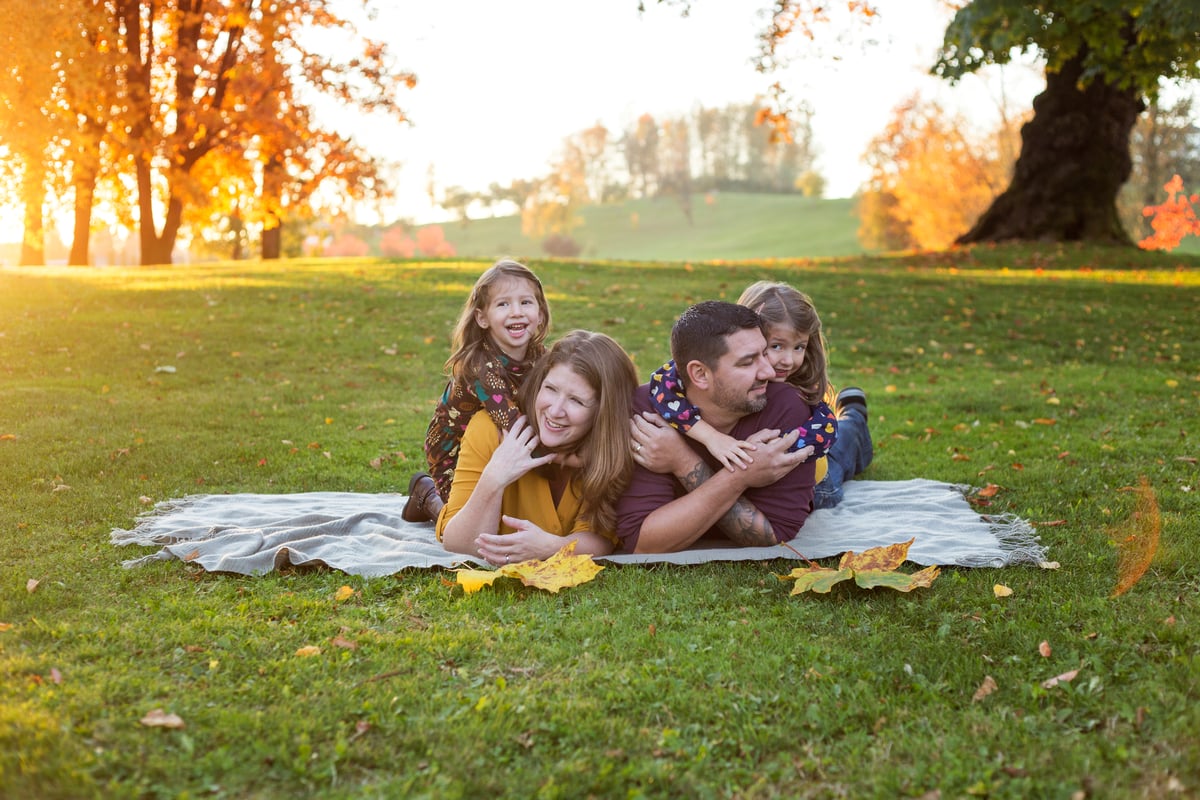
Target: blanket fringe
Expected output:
[1015,536]
[1017,539]
[143,533]
[161,555]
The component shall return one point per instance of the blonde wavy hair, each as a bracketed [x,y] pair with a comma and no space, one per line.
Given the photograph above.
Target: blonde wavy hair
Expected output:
[606,463]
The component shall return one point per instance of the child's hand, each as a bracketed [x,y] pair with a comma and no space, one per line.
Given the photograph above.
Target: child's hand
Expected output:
[724,448]
[731,452]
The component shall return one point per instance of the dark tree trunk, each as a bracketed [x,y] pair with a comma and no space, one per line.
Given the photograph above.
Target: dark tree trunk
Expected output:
[272,192]
[1074,159]
[85,187]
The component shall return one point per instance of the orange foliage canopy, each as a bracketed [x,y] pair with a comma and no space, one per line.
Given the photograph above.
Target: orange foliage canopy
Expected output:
[1174,219]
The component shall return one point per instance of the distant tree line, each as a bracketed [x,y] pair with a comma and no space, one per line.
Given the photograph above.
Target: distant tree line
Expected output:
[675,157]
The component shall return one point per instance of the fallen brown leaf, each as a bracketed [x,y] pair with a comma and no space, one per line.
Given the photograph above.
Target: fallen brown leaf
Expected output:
[987,687]
[157,718]
[1044,649]
[1065,677]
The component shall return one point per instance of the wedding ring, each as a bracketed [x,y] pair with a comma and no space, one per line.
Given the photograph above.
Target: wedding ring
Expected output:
[506,559]
[637,447]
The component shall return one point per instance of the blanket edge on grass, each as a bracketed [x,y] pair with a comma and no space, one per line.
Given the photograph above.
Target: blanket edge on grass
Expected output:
[363,534]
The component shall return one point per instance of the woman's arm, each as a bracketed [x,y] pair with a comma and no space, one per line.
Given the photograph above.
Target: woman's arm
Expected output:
[483,476]
[528,541]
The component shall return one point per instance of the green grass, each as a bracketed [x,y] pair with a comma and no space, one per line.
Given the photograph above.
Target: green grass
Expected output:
[733,226]
[724,226]
[1062,375]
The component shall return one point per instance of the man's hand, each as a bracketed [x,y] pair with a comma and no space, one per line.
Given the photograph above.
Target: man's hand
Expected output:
[772,460]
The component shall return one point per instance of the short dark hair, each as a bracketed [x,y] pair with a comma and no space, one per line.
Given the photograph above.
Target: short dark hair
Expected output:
[701,331]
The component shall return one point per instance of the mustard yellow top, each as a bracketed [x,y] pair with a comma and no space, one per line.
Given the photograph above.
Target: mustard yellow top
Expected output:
[526,498]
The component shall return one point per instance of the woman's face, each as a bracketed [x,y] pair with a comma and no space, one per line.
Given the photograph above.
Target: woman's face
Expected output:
[565,408]
[785,350]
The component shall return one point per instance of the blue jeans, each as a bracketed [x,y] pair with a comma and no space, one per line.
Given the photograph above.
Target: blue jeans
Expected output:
[850,455]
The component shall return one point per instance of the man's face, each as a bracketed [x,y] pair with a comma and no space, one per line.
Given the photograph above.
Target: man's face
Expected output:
[741,376]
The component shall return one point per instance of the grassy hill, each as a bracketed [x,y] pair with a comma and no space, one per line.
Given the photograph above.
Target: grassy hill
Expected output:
[729,226]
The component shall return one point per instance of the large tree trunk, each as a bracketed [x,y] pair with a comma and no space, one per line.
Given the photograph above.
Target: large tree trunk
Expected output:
[1074,159]
[272,192]
[85,188]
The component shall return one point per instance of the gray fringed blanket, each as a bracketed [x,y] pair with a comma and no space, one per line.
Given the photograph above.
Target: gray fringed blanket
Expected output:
[363,534]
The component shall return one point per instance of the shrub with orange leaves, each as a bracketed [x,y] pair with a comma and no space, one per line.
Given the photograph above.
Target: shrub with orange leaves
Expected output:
[1173,219]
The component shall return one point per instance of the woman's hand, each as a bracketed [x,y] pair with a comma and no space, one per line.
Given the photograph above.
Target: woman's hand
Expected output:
[526,542]
[657,446]
[514,457]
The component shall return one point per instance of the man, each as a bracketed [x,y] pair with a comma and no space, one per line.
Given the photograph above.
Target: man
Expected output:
[678,491]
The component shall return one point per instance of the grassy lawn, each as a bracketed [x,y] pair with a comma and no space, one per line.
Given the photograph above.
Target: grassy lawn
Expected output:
[723,225]
[1061,375]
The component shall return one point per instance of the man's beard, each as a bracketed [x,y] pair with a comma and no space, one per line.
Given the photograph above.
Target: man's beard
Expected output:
[738,402]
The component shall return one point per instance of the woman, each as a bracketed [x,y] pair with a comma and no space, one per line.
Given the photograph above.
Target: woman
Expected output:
[556,475]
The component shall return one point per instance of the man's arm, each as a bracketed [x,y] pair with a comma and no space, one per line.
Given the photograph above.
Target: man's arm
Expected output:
[711,499]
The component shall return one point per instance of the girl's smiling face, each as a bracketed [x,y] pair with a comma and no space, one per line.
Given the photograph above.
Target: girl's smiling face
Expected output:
[785,350]
[511,316]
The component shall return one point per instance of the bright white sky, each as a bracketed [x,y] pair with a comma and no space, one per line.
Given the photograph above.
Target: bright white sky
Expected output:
[502,84]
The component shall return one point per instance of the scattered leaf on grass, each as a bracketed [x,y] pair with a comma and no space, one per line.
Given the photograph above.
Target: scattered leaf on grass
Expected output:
[8,437]
[5,626]
[1000,590]
[988,491]
[1049,564]
[157,718]
[308,650]
[31,585]
[1136,539]
[55,675]
[344,643]
[1044,649]
[559,571]
[871,568]
[1065,677]
[343,594]
[987,687]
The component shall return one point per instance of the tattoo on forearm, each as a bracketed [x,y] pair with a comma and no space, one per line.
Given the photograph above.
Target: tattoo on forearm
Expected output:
[743,523]
[747,526]
[698,474]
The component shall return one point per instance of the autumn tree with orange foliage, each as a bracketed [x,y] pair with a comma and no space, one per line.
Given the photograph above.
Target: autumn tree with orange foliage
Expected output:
[930,179]
[1173,219]
[174,84]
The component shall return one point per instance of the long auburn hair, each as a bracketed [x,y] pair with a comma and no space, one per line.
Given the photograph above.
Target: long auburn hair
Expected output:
[468,347]
[606,462]
[783,305]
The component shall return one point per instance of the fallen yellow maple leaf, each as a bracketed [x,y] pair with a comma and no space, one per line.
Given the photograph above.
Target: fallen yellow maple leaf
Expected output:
[472,580]
[343,594]
[309,650]
[1000,590]
[559,571]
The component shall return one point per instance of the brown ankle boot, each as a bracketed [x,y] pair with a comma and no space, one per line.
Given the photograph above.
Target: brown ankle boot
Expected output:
[424,503]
